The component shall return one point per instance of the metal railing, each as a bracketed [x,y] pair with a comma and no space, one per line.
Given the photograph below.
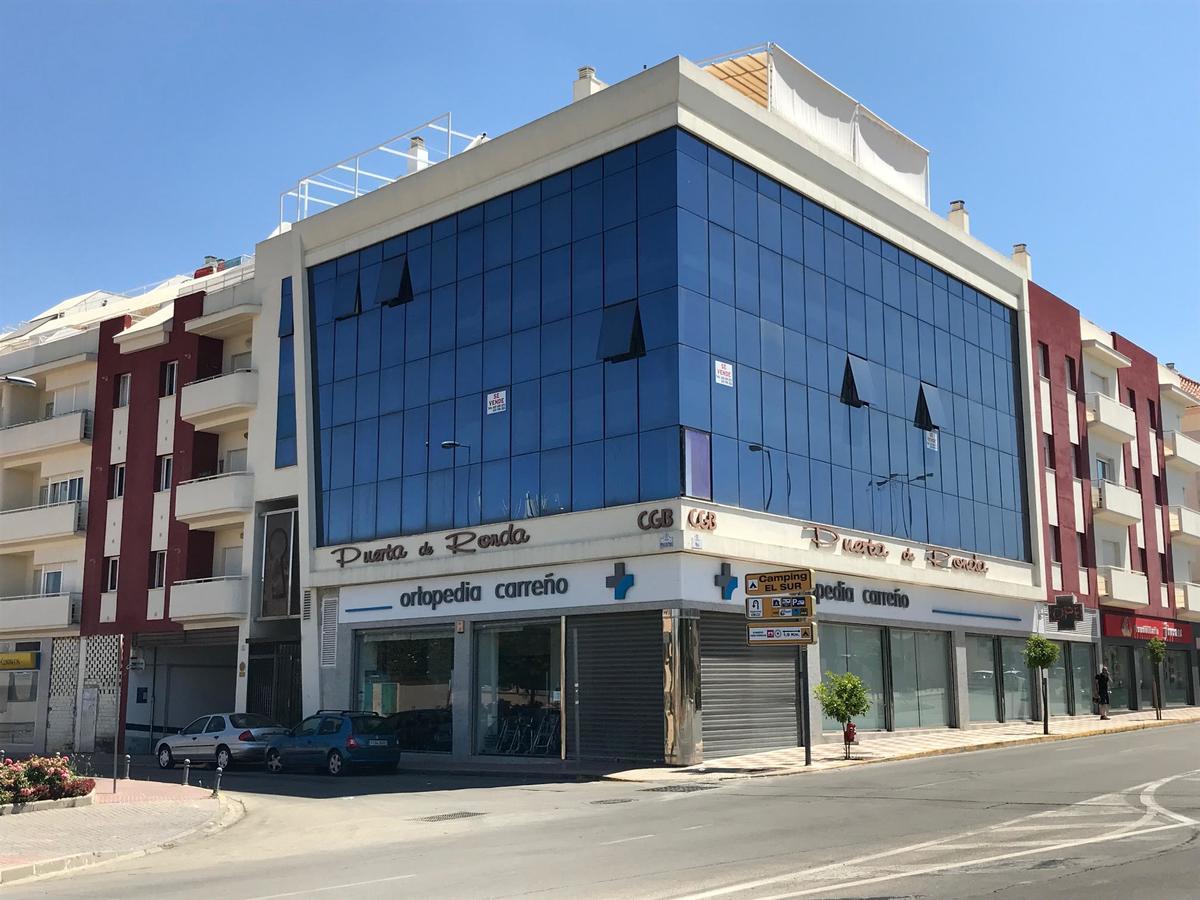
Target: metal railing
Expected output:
[75,598]
[210,580]
[201,478]
[87,420]
[218,281]
[253,371]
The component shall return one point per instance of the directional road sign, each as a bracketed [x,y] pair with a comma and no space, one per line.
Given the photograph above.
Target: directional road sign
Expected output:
[800,608]
[780,635]
[786,582]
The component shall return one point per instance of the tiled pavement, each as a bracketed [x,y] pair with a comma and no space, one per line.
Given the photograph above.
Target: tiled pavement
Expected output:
[140,816]
[907,745]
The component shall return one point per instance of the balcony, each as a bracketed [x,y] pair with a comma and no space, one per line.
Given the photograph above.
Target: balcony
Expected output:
[216,500]
[1182,452]
[221,400]
[208,599]
[1110,419]
[39,612]
[1121,587]
[38,524]
[71,429]
[1187,601]
[1115,504]
[1184,524]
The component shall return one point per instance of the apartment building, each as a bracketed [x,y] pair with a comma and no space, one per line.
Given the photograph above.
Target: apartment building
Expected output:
[1118,478]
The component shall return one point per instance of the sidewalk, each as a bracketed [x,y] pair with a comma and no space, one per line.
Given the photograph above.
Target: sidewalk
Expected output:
[141,817]
[911,745]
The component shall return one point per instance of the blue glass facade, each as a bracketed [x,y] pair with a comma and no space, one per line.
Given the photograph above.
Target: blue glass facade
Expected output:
[762,320]
[285,396]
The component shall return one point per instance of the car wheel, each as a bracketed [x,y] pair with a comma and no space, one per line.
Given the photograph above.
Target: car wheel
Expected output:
[335,764]
[224,758]
[165,759]
[274,762]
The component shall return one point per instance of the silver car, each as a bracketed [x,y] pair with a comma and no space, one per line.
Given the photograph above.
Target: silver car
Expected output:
[221,738]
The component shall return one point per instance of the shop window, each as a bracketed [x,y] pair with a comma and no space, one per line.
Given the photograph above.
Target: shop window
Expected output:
[860,387]
[983,696]
[1016,681]
[407,677]
[920,678]
[857,649]
[519,693]
[621,333]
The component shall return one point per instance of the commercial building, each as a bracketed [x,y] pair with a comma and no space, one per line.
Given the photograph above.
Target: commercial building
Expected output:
[557,394]
[1119,459]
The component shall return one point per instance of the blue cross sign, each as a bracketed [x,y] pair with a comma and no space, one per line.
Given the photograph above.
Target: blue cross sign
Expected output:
[620,581]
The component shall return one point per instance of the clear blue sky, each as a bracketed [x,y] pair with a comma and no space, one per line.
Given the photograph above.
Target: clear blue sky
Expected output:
[140,136]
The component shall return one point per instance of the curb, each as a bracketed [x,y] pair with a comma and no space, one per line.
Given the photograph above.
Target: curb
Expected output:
[14,809]
[229,812]
[917,754]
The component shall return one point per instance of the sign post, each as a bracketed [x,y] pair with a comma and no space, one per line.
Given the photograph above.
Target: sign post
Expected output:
[807,732]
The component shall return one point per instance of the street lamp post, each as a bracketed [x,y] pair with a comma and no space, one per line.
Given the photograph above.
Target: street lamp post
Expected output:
[759,448]
[456,445]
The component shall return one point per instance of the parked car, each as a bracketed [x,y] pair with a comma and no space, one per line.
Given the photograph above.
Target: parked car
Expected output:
[335,740]
[222,739]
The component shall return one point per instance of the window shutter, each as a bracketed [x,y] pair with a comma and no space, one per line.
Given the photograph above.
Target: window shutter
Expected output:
[329,614]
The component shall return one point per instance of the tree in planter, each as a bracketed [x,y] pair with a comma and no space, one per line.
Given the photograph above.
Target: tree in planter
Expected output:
[1157,651]
[1041,653]
[842,697]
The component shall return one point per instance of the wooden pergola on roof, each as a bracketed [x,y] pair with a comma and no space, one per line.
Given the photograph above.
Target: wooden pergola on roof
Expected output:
[746,74]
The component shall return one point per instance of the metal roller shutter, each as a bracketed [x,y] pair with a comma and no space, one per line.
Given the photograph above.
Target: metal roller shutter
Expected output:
[620,673]
[748,695]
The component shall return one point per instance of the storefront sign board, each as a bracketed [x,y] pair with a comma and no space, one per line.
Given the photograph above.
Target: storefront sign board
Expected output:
[1144,628]
[780,635]
[23,660]
[786,582]
[780,607]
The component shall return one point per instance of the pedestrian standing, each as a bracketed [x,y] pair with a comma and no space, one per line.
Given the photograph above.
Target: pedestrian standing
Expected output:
[1102,698]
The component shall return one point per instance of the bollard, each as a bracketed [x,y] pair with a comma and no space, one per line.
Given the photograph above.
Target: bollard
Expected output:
[128,761]
[187,768]
[217,783]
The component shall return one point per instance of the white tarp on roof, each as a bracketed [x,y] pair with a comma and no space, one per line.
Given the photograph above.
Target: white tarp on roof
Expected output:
[837,120]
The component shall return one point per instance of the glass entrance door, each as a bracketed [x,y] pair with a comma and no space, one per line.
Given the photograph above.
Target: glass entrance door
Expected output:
[1176,673]
[1120,676]
[857,649]
[1016,680]
[1056,683]
[1083,677]
[518,670]
[982,696]
[920,678]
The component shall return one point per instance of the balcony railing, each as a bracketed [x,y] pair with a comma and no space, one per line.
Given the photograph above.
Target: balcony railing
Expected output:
[1122,587]
[1181,451]
[1109,418]
[202,599]
[1187,600]
[39,435]
[1184,525]
[215,500]
[50,521]
[220,399]
[38,612]
[1116,504]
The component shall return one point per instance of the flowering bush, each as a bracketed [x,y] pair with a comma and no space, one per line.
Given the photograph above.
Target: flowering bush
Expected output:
[41,778]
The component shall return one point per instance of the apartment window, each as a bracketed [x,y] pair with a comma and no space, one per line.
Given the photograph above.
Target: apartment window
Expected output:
[1055,544]
[124,382]
[240,362]
[1159,497]
[1081,550]
[116,481]
[1141,560]
[68,400]
[235,461]
[1043,360]
[1100,383]
[1111,554]
[1048,450]
[163,471]
[62,491]
[1137,479]
[1072,384]
[47,581]
[111,564]
[1154,423]
[158,568]
[1162,566]
[1078,461]
[167,376]
[1104,469]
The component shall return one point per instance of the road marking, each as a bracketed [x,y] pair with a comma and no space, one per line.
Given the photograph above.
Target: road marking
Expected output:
[913,787]
[694,827]
[1122,831]
[640,837]
[945,867]
[332,887]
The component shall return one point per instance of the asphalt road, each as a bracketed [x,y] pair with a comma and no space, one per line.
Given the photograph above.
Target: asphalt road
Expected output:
[1114,816]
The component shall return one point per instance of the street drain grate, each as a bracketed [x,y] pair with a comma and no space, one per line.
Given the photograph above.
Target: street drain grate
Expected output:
[612,801]
[445,817]
[679,788]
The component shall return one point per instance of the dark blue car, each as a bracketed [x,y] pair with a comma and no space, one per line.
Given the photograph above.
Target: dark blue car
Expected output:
[335,740]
